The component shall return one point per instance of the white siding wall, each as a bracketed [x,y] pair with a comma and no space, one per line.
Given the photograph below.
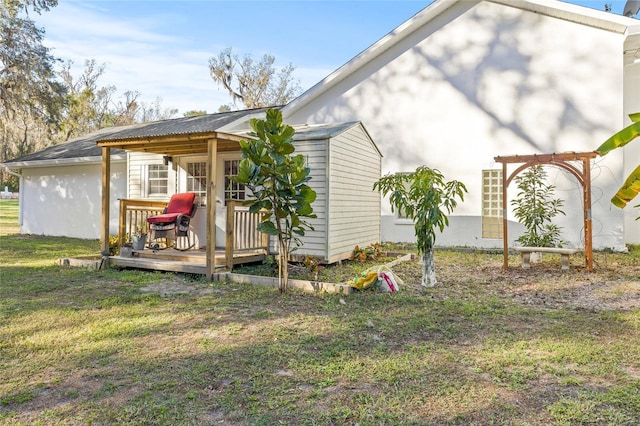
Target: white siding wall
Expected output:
[354,207]
[315,242]
[136,166]
[67,200]
[343,171]
[488,80]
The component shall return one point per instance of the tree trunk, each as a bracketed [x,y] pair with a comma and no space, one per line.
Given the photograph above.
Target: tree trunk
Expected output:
[428,269]
[283,267]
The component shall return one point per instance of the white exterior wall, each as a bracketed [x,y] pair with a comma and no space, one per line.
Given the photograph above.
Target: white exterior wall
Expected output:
[487,80]
[314,243]
[136,162]
[343,171]
[354,207]
[632,150]
[67,200]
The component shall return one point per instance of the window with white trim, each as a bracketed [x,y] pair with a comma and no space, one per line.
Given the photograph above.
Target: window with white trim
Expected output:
[492,203]
[197,181]
[232,190]
[157,180]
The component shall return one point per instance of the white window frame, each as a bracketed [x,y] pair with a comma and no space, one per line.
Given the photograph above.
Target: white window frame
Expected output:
[201,194]
[224,176]
[149,169]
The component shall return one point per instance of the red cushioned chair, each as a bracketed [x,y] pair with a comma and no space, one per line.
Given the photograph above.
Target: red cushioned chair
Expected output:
[173,223]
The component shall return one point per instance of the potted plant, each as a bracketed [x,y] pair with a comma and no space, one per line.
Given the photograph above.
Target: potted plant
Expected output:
[535,208]
[139,236]
[126,250]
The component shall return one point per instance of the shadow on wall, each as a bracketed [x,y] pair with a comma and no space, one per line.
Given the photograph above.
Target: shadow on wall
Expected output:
[492,76]
[494,81]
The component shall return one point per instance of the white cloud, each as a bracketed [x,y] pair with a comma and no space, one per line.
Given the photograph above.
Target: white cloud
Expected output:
[161,49]
[138,56]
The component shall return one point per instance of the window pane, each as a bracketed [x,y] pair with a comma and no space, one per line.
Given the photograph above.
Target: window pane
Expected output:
[158,178]
[492,204]
[232,190]
[197,180]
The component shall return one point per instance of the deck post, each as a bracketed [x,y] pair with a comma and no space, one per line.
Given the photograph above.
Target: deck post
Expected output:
[211,207]
[122,225]
[505,224]
[106,183]
[230,234]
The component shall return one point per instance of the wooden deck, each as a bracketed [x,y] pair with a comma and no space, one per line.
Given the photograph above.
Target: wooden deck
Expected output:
[190,262]
[243,242]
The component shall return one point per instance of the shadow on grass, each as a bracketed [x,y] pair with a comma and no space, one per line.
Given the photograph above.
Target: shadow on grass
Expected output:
[248,355]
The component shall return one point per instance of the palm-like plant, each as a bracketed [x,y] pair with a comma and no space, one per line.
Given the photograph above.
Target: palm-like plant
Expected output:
[631,187]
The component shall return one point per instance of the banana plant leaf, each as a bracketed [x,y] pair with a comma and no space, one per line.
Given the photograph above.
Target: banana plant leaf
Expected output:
[623,137]
[629,190]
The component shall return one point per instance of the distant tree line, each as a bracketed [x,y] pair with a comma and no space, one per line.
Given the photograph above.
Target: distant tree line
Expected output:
[43,104]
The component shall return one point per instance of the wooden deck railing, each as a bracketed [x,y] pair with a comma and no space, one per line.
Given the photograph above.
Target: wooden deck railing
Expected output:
[241,231]
[134,214]
[241,227]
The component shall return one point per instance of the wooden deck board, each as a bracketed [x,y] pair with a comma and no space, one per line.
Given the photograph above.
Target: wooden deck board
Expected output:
[189,262]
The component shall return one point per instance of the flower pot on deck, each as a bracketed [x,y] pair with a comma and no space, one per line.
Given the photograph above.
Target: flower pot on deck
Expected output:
[126,251]
[138,242]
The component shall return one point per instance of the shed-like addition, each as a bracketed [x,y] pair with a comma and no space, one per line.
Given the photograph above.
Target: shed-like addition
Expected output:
[344,163]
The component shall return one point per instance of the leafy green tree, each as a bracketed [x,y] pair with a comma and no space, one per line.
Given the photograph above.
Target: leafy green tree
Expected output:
[425,197]
[15,6]
[277,180]
[87,106]
[535,208]
[256,84]
[27,78]
[194,113]
[631,187]
[30,97]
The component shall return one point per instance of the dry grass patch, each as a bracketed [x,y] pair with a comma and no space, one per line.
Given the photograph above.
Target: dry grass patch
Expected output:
[485,346]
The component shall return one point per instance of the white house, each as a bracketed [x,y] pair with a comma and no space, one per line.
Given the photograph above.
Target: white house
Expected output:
[61,186]
[464,81]
[456,85]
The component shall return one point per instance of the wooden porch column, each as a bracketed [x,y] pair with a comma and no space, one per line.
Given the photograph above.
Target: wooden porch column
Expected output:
[106,194]
[505,236]
[211,207]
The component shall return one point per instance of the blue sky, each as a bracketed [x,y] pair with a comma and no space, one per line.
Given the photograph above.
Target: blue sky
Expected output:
[161,48]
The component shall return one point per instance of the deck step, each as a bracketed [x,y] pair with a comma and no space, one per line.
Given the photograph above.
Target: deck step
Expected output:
[174,255]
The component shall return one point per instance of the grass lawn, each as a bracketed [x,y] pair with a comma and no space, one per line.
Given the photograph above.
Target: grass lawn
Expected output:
[485,347]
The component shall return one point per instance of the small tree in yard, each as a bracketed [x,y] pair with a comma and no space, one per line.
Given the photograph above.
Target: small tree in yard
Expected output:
[423,196]
[535,208]
[278,182]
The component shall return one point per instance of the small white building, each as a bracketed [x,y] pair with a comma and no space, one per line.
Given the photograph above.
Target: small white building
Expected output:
[459,83]
[61,185]
[60,188]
